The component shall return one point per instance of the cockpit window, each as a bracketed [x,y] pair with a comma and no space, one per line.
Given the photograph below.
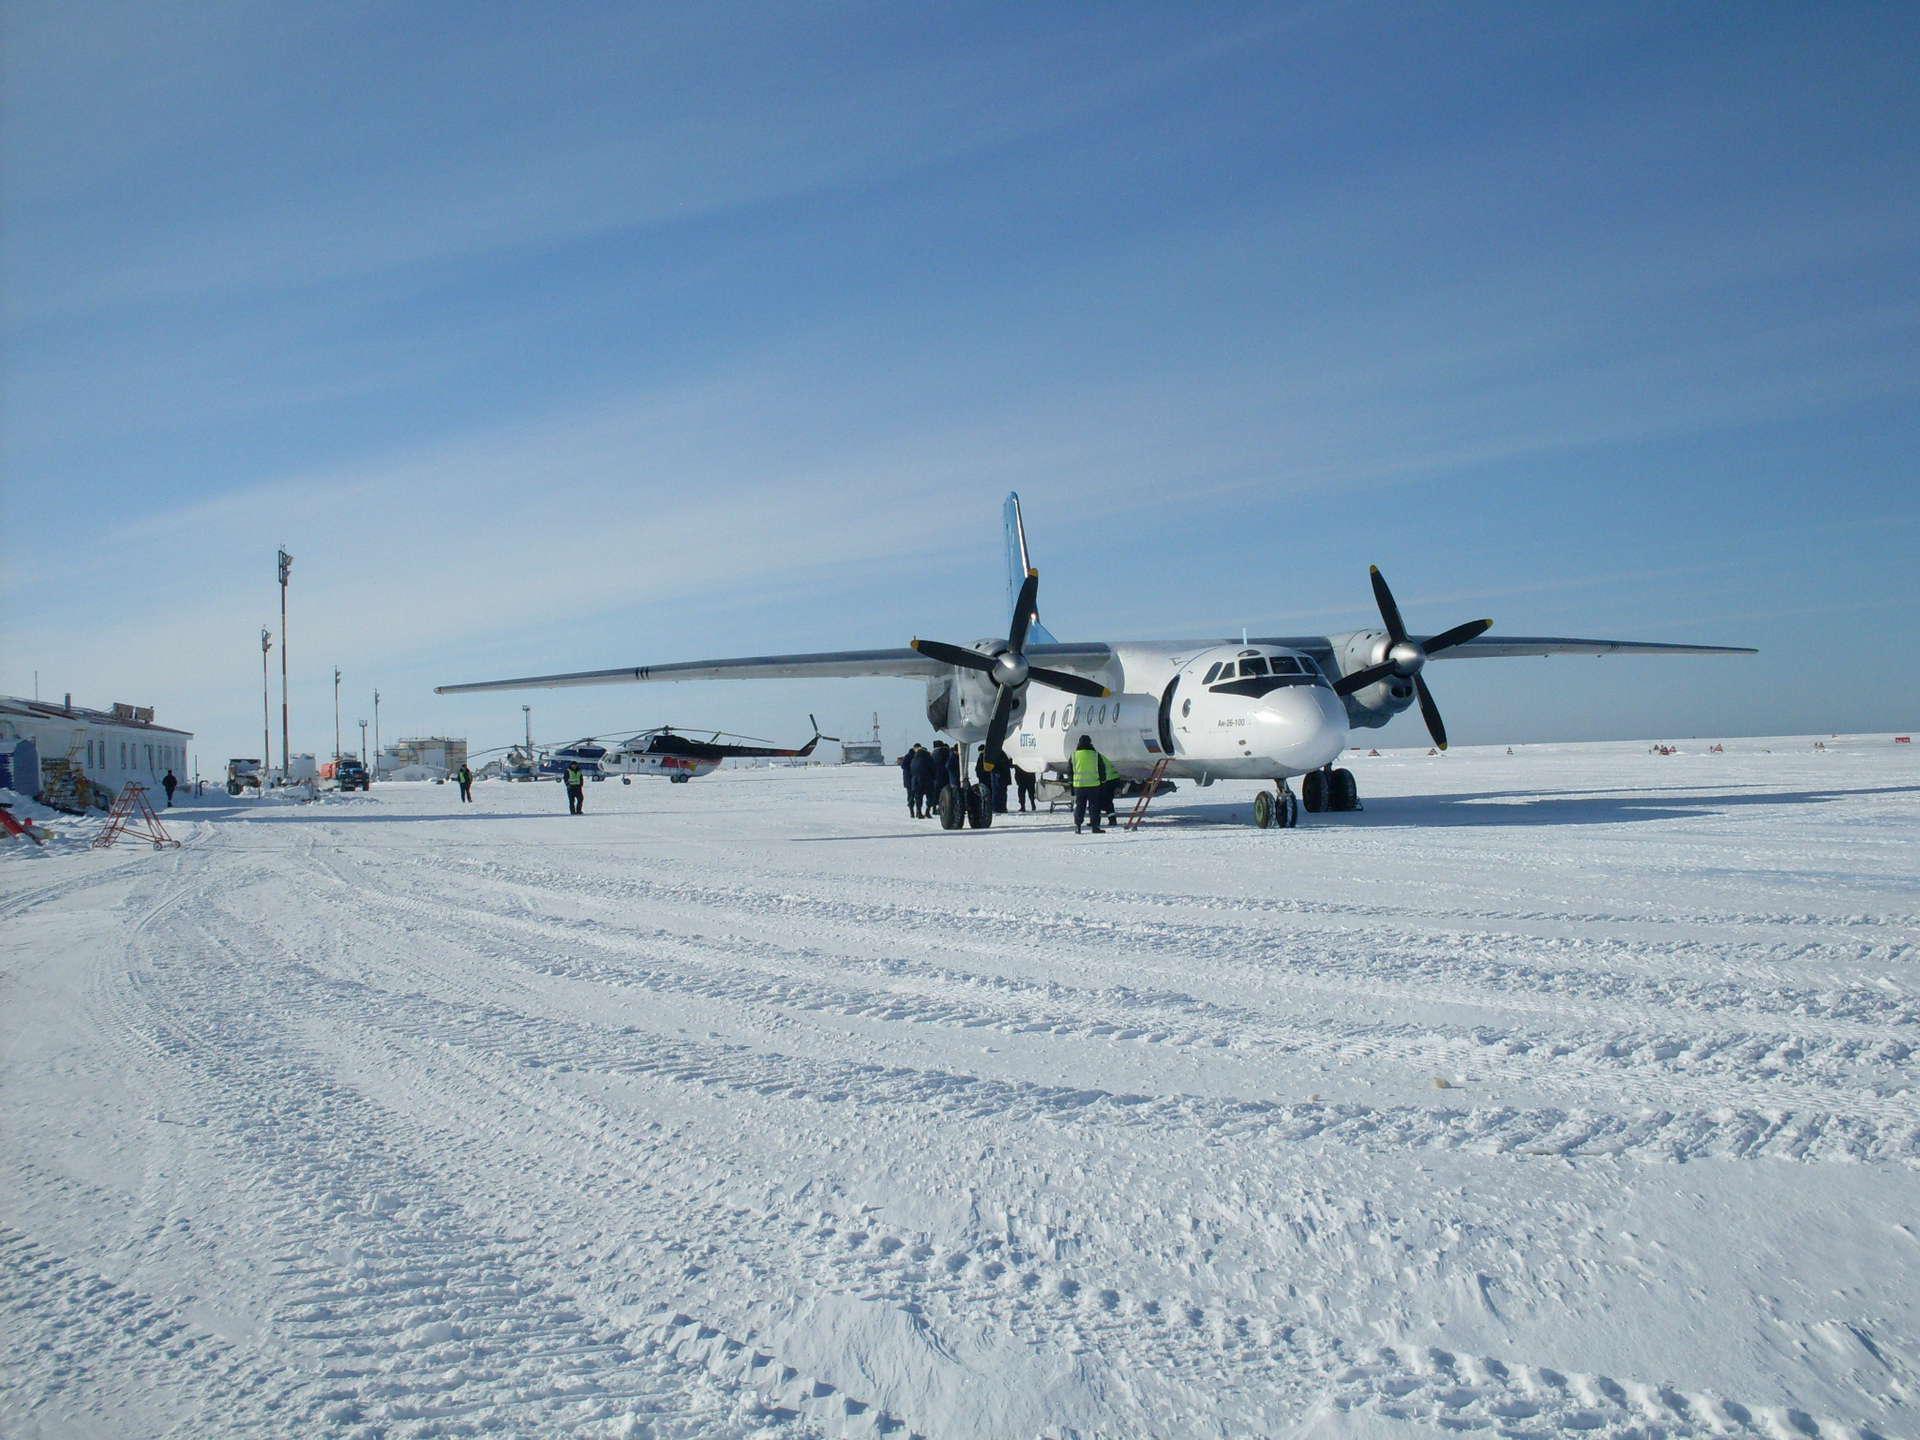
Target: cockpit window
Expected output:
[1285,665]
[1213,672]
[1255,666]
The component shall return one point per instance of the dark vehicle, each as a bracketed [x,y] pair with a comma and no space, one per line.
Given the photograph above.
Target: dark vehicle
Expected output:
[349,774]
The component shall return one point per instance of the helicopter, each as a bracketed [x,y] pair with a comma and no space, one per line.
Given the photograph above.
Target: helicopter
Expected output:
[678,752]
[681,755]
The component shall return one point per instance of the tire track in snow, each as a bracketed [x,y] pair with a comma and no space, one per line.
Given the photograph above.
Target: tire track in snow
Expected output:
[83,1346]
[1185,1342]
[404,1318]
[1736,1070]
[1758,1109]
[1402,964]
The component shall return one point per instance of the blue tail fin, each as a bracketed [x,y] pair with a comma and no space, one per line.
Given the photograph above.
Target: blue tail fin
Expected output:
[1018,563]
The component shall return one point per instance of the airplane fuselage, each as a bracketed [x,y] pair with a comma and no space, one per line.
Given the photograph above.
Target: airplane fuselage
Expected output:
[1252,712]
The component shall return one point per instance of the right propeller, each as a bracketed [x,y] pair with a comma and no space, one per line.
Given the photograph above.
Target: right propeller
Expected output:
[1405,658]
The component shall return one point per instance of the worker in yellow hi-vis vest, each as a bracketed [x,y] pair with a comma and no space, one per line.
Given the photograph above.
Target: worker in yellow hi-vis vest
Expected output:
[1092,773]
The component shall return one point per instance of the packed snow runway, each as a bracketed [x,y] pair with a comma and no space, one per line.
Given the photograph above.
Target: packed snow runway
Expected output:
[1568,1090]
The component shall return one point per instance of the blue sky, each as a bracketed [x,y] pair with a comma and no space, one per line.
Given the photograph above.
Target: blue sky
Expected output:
[563,337]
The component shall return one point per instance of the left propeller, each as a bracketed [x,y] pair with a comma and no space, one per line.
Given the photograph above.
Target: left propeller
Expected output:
[1404,658]
[1010,669]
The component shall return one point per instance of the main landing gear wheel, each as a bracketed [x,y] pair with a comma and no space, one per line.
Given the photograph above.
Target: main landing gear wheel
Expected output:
[951,809]
[1345,792]
[979,808]
[1313,792]
[1329,789]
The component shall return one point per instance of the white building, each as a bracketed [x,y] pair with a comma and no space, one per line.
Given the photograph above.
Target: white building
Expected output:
[108,747]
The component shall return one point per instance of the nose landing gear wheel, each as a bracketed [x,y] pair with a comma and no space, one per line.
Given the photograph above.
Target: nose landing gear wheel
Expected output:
[1279,809]
[979,809]
[952,815]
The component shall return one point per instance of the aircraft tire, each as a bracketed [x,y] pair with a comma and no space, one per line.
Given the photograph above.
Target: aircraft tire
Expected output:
[979,808]
[1289,810]
[1346,791]
[1313,792]
[1263,809]
[948,804]
[626,779]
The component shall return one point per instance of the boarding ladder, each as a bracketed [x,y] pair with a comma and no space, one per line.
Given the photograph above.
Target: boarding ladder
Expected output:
[1147,792]
[133,815]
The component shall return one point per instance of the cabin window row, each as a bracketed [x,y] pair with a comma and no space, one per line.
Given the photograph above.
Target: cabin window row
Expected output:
[101,755]
[1087,715]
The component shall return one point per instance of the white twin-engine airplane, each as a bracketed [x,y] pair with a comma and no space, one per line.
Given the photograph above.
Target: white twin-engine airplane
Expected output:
[1265,708]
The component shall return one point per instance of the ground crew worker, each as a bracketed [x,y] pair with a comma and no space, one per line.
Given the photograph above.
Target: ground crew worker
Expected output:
[1023,782]
[905,762]
[924,784]
[993,780]
[465,777]
[576,789]
[946,771]
[1091,773]
[167,783]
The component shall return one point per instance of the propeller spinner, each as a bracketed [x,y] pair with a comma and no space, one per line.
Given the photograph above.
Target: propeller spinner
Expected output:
[1010,669]
[1405,658]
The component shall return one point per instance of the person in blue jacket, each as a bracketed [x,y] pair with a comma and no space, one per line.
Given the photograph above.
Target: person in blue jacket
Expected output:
[926,781]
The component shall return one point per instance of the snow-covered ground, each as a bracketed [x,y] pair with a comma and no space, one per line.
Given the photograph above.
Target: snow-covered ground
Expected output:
[1568,1090]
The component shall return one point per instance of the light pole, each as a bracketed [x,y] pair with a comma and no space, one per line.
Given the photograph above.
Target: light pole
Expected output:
[266,711]
[286,750]
[527,710]
[363,742]
[376,724]
[336,714]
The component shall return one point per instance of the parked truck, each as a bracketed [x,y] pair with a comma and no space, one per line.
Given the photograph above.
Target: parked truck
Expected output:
[243,775]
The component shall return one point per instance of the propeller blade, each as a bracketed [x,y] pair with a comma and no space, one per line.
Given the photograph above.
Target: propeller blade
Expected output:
[1430,712]
[993,749]
[1072,684]
[1360,679]
[1458,635]
[1389,612]
[816,731]
[953,655]
[1023,612]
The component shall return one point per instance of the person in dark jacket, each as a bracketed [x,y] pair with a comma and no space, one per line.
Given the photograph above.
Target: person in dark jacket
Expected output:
[1024,783]
[920,792]
[1091,771]
[465,778]
[168,783]
[576,782]
[905,762]
[945,766]
[952,770]
[994,782]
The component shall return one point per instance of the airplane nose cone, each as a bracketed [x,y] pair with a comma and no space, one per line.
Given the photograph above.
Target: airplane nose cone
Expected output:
[1305,727]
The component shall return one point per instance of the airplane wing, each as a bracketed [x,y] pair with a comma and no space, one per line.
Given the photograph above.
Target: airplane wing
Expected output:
[904,663]
[1495,647]
[1500,647]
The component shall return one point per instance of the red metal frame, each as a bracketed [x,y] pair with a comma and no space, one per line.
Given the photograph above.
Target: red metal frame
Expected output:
[133,815]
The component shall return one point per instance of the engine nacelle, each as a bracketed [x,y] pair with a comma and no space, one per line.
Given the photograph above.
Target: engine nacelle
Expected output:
[960,703]
[1374,706]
